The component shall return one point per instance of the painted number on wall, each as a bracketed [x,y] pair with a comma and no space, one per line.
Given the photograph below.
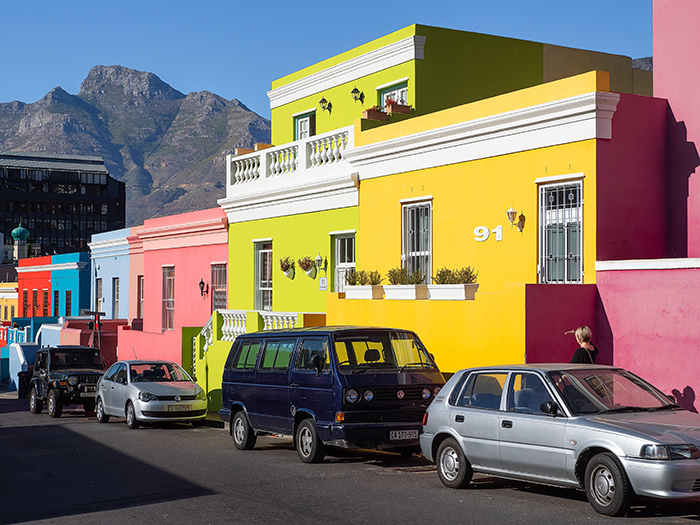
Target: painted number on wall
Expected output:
[482,233]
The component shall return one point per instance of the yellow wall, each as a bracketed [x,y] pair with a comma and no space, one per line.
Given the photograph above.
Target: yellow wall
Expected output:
[8,288]
[295,236]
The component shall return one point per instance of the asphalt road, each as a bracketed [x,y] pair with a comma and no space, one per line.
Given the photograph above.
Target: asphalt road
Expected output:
[74,470]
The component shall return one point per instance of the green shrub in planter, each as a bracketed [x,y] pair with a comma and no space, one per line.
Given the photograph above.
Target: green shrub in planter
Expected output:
[400,275]
[465,275]
[364,278]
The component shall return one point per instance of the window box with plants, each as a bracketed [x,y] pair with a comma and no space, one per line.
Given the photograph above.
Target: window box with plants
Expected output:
[395,107]
[308,265]
[405,285]
[364,284]
[374,113]
[454,285]
[287,267]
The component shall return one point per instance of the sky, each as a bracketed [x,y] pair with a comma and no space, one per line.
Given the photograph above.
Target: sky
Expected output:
[236,49]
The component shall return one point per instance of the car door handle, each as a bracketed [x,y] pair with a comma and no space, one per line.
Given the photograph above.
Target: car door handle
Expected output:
[506,424]
[294,385]
[459,419]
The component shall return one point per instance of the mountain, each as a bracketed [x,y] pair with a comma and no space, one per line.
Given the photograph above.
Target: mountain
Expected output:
[168,147]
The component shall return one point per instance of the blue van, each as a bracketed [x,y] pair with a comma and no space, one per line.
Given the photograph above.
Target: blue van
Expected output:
[350,387]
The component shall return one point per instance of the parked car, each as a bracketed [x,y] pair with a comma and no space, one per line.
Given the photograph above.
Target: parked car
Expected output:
[149,391]
[330,386]
[64,375]
[599,428]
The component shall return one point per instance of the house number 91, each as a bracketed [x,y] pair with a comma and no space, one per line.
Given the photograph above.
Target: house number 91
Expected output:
[482,233]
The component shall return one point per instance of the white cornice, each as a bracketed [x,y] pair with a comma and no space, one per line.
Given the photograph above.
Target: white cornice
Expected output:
[647,264]
[559,178]
[216,225]
[410,48]
[572,119]
[52,267]
[109,248]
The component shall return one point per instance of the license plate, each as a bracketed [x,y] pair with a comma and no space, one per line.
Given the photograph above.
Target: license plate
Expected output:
[87,394]
[178,408]
[398,435]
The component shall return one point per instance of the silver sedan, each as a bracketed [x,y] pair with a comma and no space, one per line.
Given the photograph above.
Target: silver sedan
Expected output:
[594,427]
[149,391]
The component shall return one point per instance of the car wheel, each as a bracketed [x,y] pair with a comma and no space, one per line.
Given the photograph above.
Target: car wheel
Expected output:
[89,406]
[607,486]
[453,467]
[309,445]
[55,404]
[35,404]
[131,420]
[243,436]
[101,416]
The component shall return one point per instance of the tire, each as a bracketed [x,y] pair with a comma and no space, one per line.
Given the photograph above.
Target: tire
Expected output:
[309,445]
[131,420]
[89,406]
[55,404]
[100,411]
[607,487]
[243,436]
[453,467]
[35,403]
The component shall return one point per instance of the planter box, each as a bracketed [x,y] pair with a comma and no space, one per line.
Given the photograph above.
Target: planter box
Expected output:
[452,292]
[373,114]
[364,292]
[406,292]
[398,108]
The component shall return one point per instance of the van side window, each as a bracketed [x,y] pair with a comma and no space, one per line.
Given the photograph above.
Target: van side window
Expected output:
[310,348]
[483,391]
[247,355]
[277,355]
[232,355]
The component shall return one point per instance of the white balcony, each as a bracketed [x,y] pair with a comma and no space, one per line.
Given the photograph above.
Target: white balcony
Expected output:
[306,175]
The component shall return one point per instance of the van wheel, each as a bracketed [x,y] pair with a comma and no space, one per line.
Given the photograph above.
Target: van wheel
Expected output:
[35,404]
[607,487]
[101,416]
[131,420]
[309,446]
[89,406]
[55,404]
[243,435]
[453,467]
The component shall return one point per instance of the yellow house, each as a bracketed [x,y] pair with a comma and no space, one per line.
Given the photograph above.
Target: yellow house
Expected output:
[8,301]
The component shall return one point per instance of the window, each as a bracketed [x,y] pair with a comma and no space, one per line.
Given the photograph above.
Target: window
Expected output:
[417,238]
[263,276]
[35,303]
[483,391]
[397,93]
[527,393]
[218,287]
[12,311]
[25,303]
[309,349]
[5,316]
[561,239]
[344,260]
[45,303]
[69,303]
[98,295]
[276,355]
[305,126]
[55,303]
[168,298]
[115,298]
[247,355]
[139,299]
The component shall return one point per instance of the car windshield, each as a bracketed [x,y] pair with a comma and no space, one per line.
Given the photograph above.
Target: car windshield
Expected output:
[385,351]
[601,391]
[157,372]
[76,359]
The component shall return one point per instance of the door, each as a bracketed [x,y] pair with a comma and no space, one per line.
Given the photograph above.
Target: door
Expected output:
[531,442]
[272,410]
[238,385]
[476,416]
[113,388]
[309,391]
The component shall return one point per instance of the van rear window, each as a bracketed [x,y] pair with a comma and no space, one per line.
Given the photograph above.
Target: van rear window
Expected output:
[248,355]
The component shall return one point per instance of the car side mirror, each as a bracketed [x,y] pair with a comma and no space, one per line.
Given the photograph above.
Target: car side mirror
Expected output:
[317,364]
[549,407]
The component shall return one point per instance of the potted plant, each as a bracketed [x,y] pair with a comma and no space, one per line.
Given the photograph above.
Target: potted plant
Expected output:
[453,285]
[405,285]
[364,284]
[308,265]
[287,266]
[374,113]
[394,107]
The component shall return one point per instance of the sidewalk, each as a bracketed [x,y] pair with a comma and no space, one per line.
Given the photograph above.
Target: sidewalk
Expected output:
[7,394]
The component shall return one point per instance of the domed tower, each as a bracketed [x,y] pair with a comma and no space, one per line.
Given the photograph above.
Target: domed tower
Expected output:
[20,235]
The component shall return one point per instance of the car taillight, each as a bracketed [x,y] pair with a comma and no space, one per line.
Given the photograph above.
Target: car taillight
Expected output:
[425,419]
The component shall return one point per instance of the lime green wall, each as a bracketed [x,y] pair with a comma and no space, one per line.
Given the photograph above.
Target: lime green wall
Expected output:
[295,236]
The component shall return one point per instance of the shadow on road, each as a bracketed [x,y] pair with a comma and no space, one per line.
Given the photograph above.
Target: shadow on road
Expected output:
[50,471]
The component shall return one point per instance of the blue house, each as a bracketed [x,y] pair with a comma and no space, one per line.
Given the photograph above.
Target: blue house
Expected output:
[70,282]
[109,273]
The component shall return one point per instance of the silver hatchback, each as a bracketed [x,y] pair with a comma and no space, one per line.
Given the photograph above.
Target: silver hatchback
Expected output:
[594,427]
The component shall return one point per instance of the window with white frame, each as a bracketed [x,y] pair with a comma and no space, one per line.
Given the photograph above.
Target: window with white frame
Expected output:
[139,298]
[417,237]
[304,126]
[115,298]
[344,263]
[218,287]
[398,93]
[98,295]
[263,275]
[561,239]
[168,314]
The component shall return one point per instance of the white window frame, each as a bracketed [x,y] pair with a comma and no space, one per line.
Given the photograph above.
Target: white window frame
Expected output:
[168,299]
[341,269]
[98,294]
[303,128]
[398,91]
[263,287]
[421,258]
[219,280]
[115,297]
[570,218]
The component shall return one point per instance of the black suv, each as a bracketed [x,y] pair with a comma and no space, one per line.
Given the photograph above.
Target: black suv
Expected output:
[65,375]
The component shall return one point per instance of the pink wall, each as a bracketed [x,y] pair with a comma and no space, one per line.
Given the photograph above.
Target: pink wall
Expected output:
[655,318]
[76,332]
[135,269]
[676,78]
[631,202]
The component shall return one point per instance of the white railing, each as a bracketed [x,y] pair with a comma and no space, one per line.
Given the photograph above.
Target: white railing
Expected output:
[278,320]
[234,324]
[320,152]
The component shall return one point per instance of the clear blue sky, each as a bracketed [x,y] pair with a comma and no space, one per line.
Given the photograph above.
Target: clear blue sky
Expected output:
[236,48]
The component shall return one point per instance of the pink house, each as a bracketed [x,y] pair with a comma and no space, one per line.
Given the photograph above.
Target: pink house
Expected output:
[178,276]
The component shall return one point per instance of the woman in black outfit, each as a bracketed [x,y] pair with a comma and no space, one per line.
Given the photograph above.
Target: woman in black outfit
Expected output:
[587,352]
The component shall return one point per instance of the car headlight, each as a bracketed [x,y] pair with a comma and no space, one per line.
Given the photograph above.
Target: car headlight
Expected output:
[201,394]
[368,395]
[436,390]
[351,396]
[72,380]
[670,452]
[147,396]
[426,393]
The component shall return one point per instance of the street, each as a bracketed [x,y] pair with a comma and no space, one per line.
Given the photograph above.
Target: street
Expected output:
[75,469]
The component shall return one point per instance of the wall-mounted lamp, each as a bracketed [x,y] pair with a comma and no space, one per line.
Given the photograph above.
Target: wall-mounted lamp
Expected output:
[321,264]
[357,95]
[512,214]
[203,288]
[325,105]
